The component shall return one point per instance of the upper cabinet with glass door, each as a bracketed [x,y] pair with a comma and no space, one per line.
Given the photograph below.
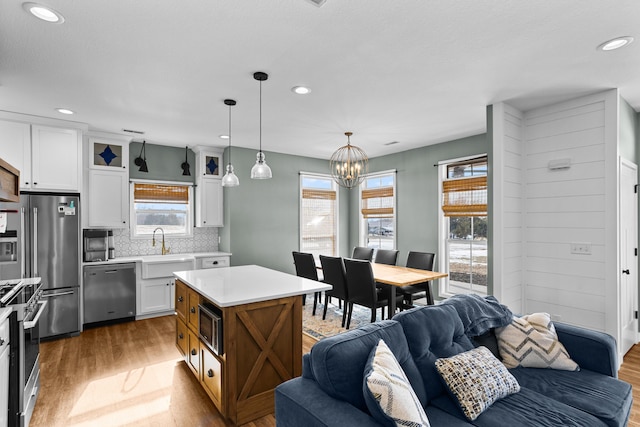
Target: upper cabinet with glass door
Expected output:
[108,154]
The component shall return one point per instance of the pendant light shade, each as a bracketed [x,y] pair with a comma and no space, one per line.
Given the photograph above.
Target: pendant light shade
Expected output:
[230,179]
[261,169]
[349,164]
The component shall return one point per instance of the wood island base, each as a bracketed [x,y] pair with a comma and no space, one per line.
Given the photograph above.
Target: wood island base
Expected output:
[262,347]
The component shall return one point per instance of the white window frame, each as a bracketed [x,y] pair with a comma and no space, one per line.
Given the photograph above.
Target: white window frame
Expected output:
[132,211]
[443,225]
[334,187]
[362,231]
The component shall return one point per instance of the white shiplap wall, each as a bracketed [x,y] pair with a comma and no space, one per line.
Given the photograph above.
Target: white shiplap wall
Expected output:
[548,210]
[508,200]
[567,206]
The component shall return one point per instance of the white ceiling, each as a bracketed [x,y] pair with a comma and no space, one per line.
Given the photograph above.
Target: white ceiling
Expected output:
[414,71]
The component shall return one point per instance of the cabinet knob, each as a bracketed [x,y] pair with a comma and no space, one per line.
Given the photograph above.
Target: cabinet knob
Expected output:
[626,271]
[210,373]
[180,299]
[167,284]
[194,352]
[26,183]
[181,336]
[193,309]
[35,183]
[1,341]
[124,222]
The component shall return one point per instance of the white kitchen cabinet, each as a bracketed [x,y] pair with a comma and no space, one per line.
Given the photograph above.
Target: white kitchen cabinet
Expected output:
[157,295]
[209,203]
[48,158]
[108,198]
[108,187]
[209,195]
[15,146]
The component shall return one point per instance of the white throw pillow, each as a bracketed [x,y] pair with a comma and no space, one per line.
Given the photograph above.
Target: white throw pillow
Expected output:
[388,393]
[531,341]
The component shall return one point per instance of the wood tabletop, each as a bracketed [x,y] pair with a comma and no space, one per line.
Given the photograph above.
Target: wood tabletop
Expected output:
[402,276]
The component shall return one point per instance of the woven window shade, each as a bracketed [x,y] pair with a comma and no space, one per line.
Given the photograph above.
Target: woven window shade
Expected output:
[161,193]
[318,194]
[318,221]
[377,203]
[465,196]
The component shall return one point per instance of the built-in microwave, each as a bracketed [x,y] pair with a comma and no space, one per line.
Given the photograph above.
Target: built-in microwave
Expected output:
[210,327]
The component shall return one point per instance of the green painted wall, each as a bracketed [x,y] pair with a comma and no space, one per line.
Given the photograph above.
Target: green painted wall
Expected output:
[163,163]
[261,217]
[417,192]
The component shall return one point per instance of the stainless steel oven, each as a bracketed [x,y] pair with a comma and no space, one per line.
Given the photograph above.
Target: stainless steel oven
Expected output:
[25,297]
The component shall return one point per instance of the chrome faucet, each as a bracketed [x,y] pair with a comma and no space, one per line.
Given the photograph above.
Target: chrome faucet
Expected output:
[165,250]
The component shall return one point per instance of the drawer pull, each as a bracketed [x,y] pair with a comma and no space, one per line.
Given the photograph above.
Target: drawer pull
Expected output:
[210,373]
[180,299]
[193,309]
[194,352]
[181,336]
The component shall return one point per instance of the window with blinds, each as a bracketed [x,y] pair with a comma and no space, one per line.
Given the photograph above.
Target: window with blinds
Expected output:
[168,206]
[318,215]
[464,225]
[377,211]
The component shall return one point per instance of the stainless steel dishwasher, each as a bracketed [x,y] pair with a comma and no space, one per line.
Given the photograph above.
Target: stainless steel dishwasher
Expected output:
[109,292]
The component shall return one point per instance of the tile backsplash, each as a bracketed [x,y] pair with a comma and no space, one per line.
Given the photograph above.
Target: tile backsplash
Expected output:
[203,240]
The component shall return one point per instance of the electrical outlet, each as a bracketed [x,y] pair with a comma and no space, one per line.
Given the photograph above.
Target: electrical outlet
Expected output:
[583,248]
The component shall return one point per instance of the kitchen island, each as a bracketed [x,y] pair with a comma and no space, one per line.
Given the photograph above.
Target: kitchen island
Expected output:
[255,342]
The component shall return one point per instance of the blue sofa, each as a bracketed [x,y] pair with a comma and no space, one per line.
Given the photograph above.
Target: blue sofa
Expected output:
[330,390]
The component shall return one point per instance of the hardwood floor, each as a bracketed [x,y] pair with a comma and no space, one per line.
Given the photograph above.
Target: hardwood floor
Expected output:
[131,374]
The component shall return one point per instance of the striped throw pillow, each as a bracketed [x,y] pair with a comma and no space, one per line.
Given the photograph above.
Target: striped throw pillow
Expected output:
[388,393]
[531,341]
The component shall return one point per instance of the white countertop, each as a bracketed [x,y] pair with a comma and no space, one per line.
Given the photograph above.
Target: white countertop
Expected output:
[230,286]
[159,258]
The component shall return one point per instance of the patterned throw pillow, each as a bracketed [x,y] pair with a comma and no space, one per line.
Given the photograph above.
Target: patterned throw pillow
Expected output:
[531,341]
[476,379]
[388,393]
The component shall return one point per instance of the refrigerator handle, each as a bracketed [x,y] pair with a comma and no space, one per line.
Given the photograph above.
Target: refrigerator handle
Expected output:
[23,262]
[34,254]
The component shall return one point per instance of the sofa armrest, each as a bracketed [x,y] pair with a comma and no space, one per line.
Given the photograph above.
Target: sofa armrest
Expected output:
[592,350]
[301,402]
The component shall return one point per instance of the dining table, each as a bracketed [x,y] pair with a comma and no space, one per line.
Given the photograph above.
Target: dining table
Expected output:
[397,276]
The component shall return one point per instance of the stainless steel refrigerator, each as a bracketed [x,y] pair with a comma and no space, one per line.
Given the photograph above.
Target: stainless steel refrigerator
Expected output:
[47,245]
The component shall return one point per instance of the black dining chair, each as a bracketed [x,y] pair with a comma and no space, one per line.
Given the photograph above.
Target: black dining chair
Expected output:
[386,256]
[422,261]
[362,290]
[334,274]
[360,252]
[306,267]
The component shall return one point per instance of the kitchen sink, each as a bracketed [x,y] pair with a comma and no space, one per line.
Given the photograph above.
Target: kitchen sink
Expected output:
[164,265]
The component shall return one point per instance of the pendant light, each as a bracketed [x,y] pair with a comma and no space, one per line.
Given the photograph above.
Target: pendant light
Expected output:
[261,169]
[185,165]
[349,164]
[230,179]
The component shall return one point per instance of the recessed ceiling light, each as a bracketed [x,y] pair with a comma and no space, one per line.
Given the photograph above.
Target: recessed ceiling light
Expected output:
[43,12]
[616,43]
[64,111]
[224,136]
[300,90]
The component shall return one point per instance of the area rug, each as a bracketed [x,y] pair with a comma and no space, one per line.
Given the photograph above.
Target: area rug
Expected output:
[317,328]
